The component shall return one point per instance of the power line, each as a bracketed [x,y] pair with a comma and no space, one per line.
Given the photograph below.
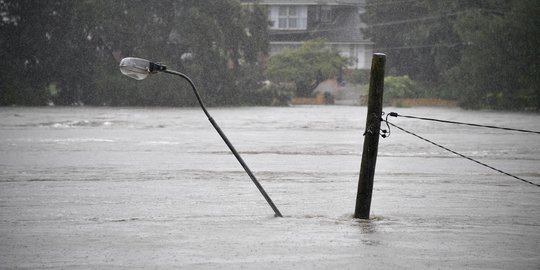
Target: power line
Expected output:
[461,155]
[448,45]
[365,26]
[388,3]
[394,114]
[389,23]
[415,20]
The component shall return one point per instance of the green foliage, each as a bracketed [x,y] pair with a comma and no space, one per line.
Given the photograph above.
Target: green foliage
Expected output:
[305,66]
[400,87]
[358,76]
[482,53]
[500,67]
[77,45]
[416,36]
[273,94]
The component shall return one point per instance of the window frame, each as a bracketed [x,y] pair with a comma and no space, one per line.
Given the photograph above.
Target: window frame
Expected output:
[288,17]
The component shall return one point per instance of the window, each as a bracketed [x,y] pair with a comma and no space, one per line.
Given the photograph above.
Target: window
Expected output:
[288,17]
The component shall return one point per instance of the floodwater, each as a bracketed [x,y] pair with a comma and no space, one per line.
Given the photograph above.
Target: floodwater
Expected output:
[125,188]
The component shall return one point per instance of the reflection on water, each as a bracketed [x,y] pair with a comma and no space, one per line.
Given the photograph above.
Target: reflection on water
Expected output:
[157,187]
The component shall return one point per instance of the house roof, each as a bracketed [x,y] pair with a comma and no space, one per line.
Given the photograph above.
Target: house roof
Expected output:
[346,28]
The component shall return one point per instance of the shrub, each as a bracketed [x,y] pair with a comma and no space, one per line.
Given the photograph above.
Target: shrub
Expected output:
[272,94]
[400,87]
[358,76]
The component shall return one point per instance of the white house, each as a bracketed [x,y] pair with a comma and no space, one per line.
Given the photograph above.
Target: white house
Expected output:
[336,21]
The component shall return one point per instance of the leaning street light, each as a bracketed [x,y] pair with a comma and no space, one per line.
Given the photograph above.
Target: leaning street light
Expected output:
[139,69]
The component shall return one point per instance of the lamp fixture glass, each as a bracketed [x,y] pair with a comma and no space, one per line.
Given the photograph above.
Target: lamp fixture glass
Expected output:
[135,68]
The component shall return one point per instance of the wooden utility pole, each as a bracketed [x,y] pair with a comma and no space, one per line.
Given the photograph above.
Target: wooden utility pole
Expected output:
[371,137]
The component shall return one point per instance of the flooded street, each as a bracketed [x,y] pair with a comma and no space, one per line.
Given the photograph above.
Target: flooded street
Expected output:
[113,188]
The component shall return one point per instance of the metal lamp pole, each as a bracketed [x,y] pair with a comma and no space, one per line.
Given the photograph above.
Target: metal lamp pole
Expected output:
[139,69]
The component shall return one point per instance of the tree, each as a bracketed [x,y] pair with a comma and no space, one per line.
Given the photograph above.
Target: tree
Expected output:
[26,45]
[68,45]
[500,67]
[419,36]
[399,87]
[305,66]
[223,42]
[482,53]
[74,47]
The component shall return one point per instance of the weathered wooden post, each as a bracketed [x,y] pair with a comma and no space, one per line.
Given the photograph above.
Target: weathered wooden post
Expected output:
[371,137]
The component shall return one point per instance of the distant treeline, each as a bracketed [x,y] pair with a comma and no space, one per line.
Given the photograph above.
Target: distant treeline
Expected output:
[67,52]
[482,53]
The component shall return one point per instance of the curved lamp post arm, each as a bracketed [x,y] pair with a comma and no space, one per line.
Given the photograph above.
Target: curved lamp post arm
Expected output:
[192,84]
[227,142]
[139,69]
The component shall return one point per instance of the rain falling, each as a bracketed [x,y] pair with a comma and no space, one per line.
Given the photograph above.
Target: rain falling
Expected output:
[269,111]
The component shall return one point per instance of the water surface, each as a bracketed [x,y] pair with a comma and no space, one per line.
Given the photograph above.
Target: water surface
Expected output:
[157,188]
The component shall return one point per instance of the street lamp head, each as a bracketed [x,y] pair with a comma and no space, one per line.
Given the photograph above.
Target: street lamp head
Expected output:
[138,68]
